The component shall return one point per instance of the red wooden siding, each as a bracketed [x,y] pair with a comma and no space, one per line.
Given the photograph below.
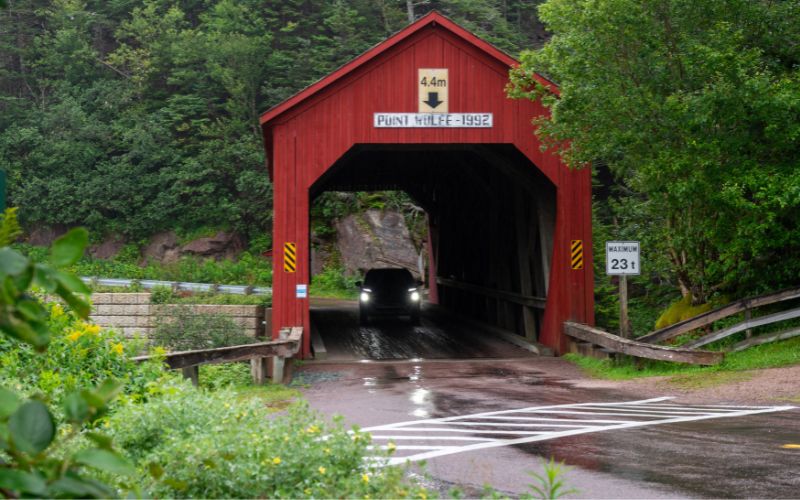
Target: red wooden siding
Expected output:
[305,135]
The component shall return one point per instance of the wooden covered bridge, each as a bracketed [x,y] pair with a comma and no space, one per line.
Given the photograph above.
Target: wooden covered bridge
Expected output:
[425,112]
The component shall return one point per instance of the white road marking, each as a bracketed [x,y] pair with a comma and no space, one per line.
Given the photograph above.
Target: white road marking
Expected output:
[517,419]
[432,429]
[509,424]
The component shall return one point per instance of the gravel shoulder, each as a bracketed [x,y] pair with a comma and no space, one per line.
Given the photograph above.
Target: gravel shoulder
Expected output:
[765,386]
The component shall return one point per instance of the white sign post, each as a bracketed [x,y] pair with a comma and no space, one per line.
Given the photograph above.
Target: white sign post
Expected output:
[623,259]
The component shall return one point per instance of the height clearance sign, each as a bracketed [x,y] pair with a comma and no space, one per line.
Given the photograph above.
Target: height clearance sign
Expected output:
[622,258]
[433,107]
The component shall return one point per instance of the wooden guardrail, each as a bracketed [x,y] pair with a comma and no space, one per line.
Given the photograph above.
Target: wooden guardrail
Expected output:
[279,350]
[640,349]
[709,317]
[746,325]
[516,298]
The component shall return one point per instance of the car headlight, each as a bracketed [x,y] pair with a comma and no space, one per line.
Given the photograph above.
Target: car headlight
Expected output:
[364,297]
[414,296]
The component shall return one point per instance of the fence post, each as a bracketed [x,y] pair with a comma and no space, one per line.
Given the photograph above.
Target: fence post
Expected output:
[279,362]
[192,373]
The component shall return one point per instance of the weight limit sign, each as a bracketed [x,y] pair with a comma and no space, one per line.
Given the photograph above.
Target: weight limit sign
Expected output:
[622,258]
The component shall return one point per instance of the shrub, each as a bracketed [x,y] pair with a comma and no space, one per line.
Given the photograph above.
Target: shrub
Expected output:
[191,443]
[80,355]
[179,328]
[162,295]
[334,282]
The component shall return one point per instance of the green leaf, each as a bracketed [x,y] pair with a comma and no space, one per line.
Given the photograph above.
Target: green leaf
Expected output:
[78,305]
[45,278]
[100,440]
[21,482]
[32,310]
[176,484]
[68,249]
[105,460]
[12,262]
[9,402]
[32,428]
[23,280]
[108,390]
[76,408]
[35,334]
[155,469]
[74,486]
[72,283]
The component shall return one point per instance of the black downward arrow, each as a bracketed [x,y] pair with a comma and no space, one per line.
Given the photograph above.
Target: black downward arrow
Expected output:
[433,100]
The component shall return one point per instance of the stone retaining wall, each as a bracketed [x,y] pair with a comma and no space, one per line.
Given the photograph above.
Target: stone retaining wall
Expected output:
[133,314]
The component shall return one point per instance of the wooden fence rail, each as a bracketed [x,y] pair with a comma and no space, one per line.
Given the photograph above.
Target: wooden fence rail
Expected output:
[744,325]
[709,317]
[640,349]
[279,350]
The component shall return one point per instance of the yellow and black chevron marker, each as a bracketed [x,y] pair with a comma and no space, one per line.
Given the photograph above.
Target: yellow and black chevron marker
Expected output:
[290,257]
[577,254]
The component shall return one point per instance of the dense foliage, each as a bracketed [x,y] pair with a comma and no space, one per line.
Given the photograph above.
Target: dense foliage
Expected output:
[247,269]
[693,106]
[130,117]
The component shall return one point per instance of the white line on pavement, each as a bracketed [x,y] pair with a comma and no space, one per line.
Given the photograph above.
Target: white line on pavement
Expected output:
[677,414]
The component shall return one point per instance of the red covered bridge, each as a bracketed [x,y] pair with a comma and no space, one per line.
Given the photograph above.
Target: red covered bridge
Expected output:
[425,112]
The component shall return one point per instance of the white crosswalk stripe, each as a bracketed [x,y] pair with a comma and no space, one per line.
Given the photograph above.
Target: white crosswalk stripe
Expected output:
[429,438]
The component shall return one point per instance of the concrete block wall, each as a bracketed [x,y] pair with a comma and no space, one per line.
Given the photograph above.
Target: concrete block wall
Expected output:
[133,314]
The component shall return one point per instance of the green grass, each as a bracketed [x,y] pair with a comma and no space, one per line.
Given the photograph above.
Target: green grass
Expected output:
[236,376]
[776,354]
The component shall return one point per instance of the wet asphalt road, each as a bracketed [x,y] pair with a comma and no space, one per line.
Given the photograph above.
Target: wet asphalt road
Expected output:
[736,457]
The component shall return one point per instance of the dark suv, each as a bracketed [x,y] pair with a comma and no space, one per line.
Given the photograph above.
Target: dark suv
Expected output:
[389,292]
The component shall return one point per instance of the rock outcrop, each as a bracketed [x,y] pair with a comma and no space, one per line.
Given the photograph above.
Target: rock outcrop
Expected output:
[375,238]
[108,249]
[163,247]
[223,245]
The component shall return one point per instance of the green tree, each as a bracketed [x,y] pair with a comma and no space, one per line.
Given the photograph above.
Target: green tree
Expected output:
[694,107]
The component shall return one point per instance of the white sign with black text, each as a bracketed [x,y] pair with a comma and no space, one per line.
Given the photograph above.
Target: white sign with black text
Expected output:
[433,120]
[622,258]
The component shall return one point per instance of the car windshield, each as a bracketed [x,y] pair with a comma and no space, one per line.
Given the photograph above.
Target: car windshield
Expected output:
[388,278]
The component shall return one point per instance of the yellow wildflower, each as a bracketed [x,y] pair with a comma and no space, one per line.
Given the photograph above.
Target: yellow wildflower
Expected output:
[365,478]
[322,470]
[92,329]
[423,495]
[56,310]
[327,451]
[391,447]
[312,429]
[118,348]
[276,460]
[75,335]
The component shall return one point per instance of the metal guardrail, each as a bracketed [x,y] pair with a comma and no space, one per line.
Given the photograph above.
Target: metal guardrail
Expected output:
[180,286]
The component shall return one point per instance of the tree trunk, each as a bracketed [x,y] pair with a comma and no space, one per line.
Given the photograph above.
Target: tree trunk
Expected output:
[410,10]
